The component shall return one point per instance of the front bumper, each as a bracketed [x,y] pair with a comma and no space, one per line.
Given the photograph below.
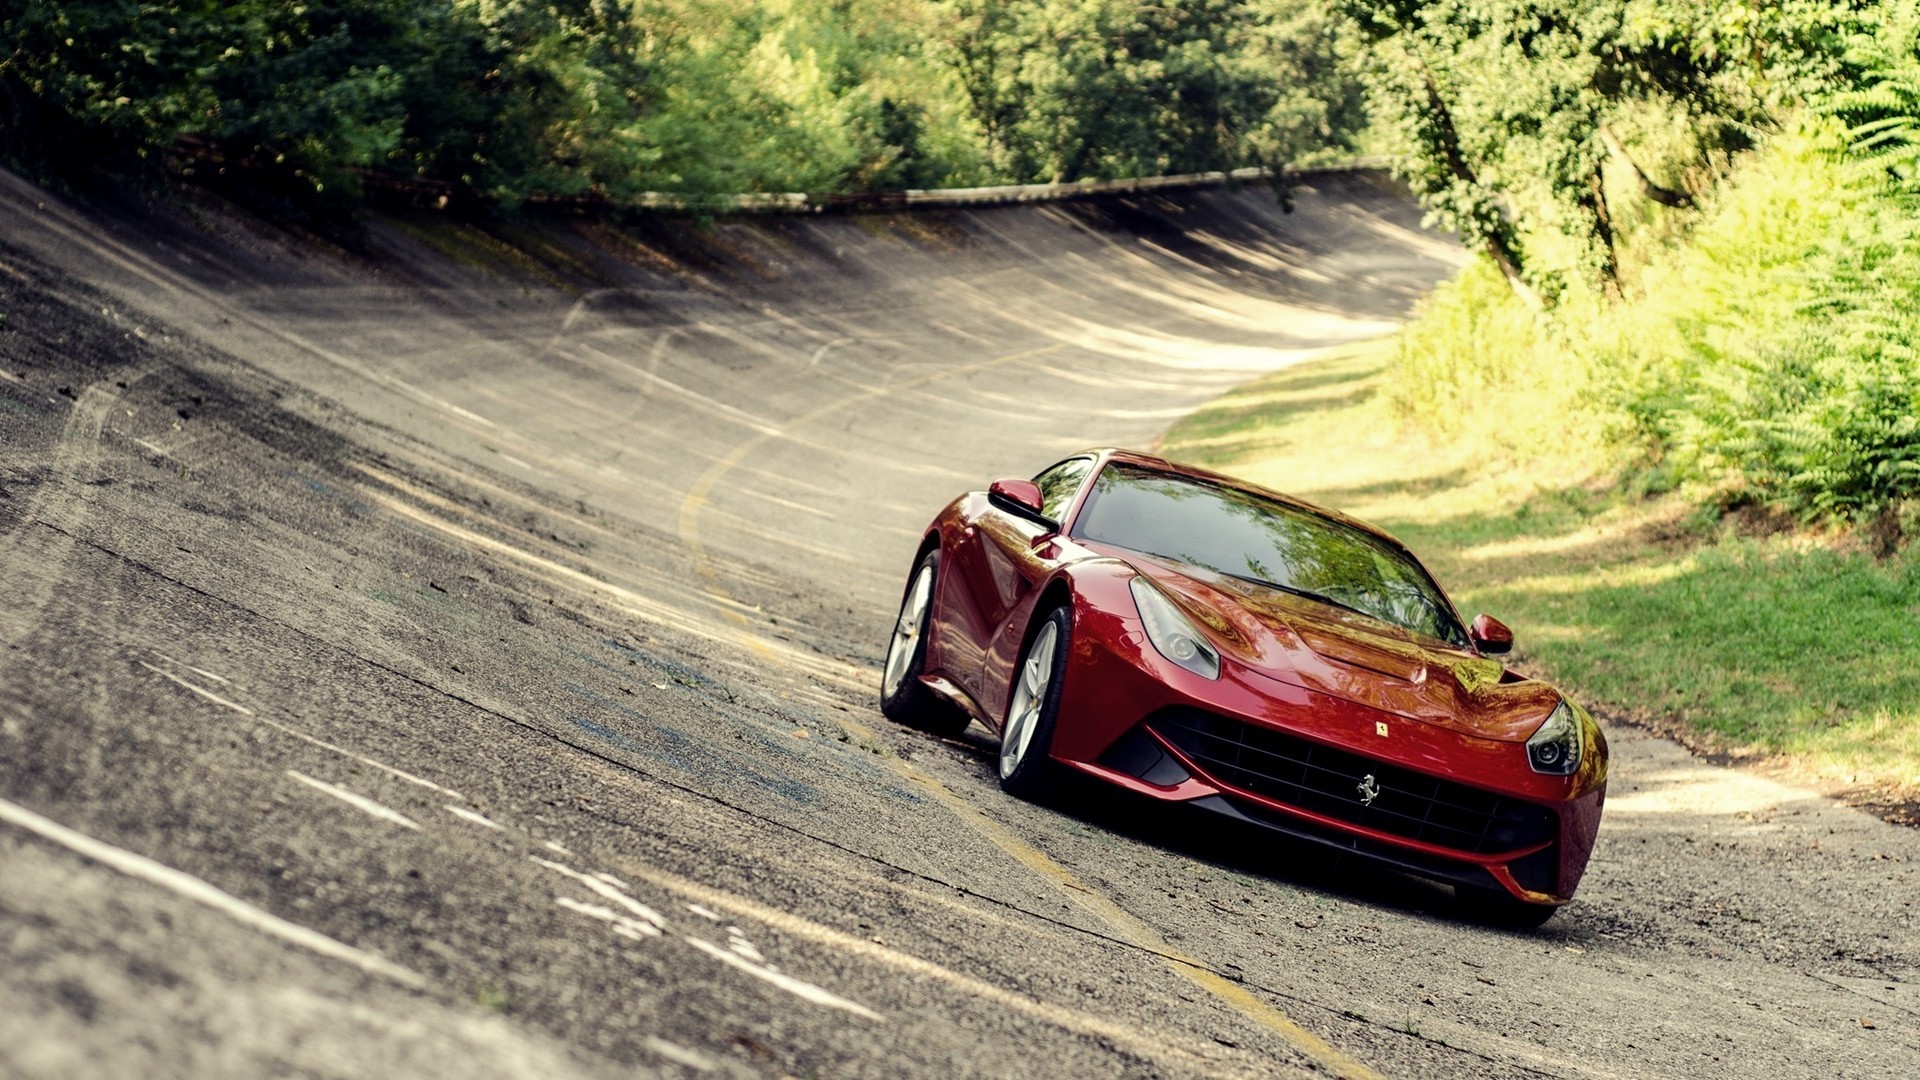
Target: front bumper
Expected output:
[1332,772]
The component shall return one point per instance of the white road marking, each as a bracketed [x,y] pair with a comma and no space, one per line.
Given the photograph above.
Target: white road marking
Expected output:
[706,913]
[193,888]
[358,802]
[551,846]
[399,774]
[679,1055]
[477,819]
[806,991]
[745,948]
[202,672]
[613,881]
[638,909]
[622,925]
[201,690]
[1193,1056]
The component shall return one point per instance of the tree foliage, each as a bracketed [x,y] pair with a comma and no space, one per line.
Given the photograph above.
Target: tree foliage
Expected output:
[1717,203]
[1111,88]
[516,97]
[1508,113]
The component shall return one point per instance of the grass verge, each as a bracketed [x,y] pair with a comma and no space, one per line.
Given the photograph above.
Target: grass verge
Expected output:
[1745,643]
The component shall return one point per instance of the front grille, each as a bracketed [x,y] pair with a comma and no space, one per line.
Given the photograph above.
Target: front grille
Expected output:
[1323,780]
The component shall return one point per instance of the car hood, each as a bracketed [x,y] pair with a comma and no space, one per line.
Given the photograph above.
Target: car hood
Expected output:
[1333,650]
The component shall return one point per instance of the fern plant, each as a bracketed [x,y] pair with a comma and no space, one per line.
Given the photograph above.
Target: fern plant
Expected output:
[1882,109]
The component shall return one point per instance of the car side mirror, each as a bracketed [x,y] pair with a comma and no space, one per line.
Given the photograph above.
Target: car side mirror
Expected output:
[1019,497]
[1490,635]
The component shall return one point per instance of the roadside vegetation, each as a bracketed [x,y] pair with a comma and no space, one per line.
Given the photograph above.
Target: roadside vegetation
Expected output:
[512,99]
[1698,228]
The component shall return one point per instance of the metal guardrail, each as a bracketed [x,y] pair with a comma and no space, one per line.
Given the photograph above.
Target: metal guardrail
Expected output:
[941,198]
[201,160]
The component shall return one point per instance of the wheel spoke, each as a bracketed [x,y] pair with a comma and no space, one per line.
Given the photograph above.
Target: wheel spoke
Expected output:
[907,631]
[1029,698]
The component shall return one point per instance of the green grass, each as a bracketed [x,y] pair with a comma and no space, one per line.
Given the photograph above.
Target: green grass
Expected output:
[1773,646]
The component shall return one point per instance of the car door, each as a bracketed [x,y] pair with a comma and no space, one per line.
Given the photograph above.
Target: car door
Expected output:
[993,563]
[1015,554]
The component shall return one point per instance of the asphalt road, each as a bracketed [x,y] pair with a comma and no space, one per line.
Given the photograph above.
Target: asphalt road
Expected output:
[451,653]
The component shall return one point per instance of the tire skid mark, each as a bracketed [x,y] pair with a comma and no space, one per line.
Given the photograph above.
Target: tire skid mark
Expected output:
[70,462]
[627,600]
[172,285]
[701,493]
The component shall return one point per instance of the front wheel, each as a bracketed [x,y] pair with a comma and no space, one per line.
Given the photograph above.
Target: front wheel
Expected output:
[904,699]
[1032,708]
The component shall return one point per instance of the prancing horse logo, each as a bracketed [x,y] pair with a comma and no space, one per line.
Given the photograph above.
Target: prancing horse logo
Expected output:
[1369,789]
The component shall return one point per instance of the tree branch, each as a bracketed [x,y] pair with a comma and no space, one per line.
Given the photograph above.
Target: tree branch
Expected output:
[1679,200]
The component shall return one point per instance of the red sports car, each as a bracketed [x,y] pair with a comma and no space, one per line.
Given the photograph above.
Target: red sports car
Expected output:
[1197,639]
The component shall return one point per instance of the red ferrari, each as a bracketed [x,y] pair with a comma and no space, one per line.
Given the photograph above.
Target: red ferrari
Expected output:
[1196,639]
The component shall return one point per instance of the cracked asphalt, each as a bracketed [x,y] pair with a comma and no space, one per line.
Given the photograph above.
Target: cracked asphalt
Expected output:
[433,651]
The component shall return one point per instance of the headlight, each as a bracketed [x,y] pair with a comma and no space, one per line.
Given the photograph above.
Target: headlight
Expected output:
[1555,748]
[1173,633]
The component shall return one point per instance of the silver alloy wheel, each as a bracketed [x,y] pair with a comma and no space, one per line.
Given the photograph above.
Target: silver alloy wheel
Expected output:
[1029,697]
[906,632]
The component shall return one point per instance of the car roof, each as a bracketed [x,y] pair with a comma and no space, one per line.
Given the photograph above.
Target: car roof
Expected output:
[1195,472]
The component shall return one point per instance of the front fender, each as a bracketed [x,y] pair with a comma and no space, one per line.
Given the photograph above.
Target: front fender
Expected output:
[1094,589]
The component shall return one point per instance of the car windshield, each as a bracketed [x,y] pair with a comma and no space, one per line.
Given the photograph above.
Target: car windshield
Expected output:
[1254,538]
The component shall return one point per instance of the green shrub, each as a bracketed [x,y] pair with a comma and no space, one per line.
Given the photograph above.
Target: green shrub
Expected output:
[1766,356]
[1794,381]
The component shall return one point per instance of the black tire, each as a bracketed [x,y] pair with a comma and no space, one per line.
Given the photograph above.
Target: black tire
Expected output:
[1498,908]
[1031,775]
[908,701]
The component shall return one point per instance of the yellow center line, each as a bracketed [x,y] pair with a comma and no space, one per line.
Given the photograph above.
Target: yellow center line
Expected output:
[1129,928]
[1186,1052]
[1125,925]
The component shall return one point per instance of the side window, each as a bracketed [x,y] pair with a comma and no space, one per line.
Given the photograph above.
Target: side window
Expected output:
[1059,484]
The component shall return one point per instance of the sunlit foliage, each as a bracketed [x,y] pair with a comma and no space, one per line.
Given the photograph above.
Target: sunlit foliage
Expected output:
[1706,214]
[511,98]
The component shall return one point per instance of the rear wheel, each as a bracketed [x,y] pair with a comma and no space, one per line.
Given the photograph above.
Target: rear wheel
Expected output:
[904,699]
[1025,768]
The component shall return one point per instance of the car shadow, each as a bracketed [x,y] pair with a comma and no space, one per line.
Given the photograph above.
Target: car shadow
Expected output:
[1242,848]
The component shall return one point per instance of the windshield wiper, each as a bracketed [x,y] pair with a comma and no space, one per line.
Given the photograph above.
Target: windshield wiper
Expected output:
[1306,593]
